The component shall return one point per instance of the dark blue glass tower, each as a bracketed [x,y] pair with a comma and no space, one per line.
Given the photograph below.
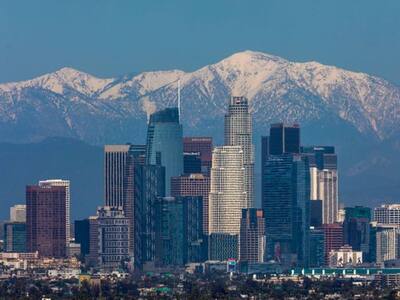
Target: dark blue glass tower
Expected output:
[165,141]
[285,201]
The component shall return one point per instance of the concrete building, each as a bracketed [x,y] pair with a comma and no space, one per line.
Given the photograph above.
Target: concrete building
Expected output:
[252,236]
[387,243]
[227,195]
[387,214]
[46,220]
[113,237]
[18,213]
[239,132]
[66,184]
[344,257]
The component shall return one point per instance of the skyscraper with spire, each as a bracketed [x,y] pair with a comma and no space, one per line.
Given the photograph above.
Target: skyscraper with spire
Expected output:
[238,132]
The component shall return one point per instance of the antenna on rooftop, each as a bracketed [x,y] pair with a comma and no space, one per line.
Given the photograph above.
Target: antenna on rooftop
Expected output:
[179,99]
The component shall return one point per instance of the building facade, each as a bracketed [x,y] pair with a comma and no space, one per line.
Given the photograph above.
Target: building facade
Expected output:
[239,132]
[223,247]
[193,185]
[227,195]
[345,257]
[66,184]
[286,201]
[18,213]
[333,236]
[165,143]
[15,237]
[252,236]
[82,235]
[202,145]
[180,238]
[387,214]
[46,220]
[387,243]
[113,237]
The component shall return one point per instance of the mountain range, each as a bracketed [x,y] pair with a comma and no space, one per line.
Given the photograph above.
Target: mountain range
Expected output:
[356,112]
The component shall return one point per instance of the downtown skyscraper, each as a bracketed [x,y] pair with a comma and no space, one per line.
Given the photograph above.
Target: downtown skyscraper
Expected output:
[165,143]
[238,132]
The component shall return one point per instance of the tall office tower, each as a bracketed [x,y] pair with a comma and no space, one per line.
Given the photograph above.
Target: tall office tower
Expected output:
[133,200]
[252,235]
[387,243]
[356,229]
[18,213]
[92,259]
[82,235]
[227,195]
[66,184]
[333,236]
[387,214]
[324,179]
[315,213]
[45,220]
[324,187]
[286,202]
[180,237]
[164,141]
[113,237]
[264,151]
[283,139]
[239,132]
[15,237]
[193,185]
[115,164]
[202,145]
[223,246]
[317,247]
[153,189]
[192,163]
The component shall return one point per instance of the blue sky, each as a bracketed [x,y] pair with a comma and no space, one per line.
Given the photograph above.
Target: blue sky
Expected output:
[110,38]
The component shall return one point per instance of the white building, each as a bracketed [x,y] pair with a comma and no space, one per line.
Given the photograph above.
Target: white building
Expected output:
[18,213]
[387,214]
[345,256]
[324,187]
[387,242]
[113,238]
[239,132]
[227,195]
[66,184]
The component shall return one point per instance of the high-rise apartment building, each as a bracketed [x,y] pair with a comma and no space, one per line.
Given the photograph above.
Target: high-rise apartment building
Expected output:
[193,185]
[286,202]
[15,237]
[165,143]
[227,195]
[113,237]
[387,243]
[387,214]
[324,179]
[180,238]
[66,184]
[239,132]
[46,220]
[252,235]
[202,145]
[18,213]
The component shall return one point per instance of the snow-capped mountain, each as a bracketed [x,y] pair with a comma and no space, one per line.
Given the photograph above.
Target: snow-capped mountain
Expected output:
[75,104]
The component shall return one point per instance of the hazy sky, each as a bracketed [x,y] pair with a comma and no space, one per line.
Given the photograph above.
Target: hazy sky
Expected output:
[110,38]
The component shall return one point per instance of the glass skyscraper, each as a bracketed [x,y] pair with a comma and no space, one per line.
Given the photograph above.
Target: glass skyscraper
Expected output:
[165,143]
[286,205]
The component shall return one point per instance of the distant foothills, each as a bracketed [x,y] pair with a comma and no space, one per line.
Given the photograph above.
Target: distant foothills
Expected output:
[357,113]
